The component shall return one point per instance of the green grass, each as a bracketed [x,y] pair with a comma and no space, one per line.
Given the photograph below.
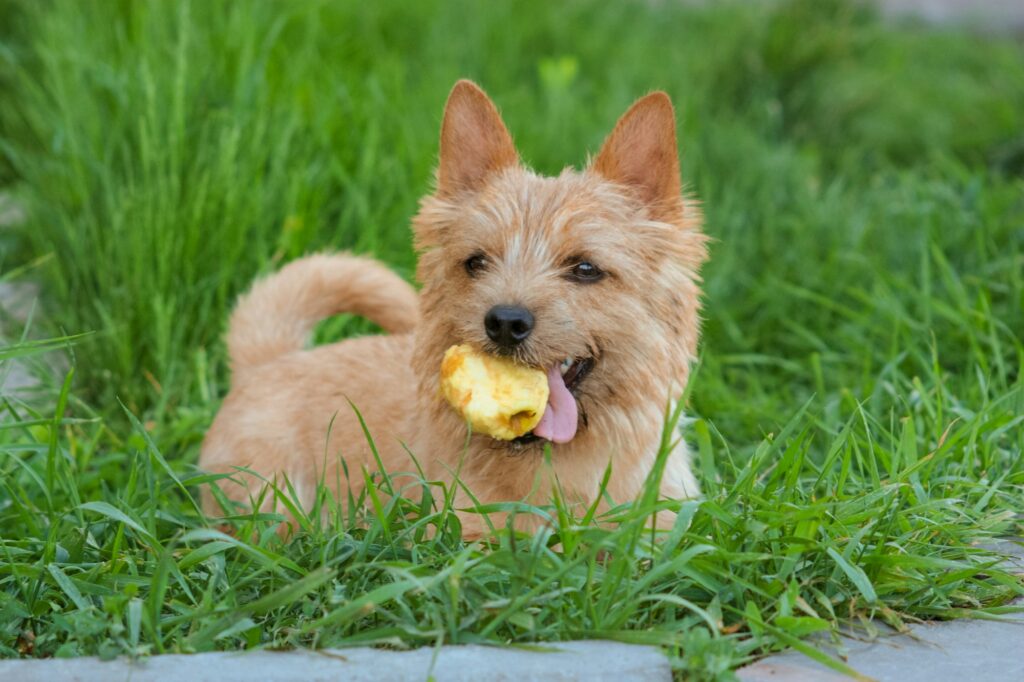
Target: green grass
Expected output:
[857,416]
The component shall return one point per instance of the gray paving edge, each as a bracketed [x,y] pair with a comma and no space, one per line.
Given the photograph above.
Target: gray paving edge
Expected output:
[965,649]
[561,662]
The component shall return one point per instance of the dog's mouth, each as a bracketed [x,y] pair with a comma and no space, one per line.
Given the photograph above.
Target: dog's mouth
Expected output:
[574,371]
[560,421]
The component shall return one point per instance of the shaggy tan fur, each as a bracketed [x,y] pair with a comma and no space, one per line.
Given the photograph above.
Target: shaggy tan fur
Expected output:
[288,412]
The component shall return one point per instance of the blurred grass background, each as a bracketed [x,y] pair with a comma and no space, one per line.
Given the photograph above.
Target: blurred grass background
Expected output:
[167,152]
[862,183]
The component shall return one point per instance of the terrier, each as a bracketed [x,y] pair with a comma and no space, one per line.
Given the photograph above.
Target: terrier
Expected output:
[590,276]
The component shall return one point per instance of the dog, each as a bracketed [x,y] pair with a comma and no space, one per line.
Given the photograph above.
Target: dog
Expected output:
[591,276]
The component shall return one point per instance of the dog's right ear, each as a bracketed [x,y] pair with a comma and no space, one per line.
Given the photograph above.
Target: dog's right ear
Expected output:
[474,140]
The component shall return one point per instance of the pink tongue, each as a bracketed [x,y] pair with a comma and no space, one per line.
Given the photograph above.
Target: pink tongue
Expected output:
[558,424]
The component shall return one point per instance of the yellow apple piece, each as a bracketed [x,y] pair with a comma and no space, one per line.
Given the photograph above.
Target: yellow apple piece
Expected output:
[495,395]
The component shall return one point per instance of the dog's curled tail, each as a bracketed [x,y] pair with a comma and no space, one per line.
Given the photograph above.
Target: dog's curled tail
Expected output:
[279,312]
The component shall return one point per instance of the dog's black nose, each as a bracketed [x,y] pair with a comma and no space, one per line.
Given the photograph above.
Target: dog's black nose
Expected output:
[508,325]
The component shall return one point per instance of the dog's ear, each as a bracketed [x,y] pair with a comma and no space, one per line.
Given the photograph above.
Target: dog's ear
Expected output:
[474,140]
[641,153]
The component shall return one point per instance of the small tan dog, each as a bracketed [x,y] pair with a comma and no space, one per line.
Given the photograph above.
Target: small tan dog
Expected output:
[591,276]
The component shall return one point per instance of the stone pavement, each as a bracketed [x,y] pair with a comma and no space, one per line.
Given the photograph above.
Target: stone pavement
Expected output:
[974,650]
[593,661]
[16,300]
[961,650]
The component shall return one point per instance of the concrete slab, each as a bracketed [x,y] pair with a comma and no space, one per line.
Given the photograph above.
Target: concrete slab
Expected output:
[16,301]
[10,212]
[1013,548]
[565,662]
[975,650]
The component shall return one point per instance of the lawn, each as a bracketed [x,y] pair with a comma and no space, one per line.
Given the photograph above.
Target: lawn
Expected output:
[857,415]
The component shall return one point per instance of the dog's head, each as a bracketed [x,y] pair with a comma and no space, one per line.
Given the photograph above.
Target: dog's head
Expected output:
[590,276]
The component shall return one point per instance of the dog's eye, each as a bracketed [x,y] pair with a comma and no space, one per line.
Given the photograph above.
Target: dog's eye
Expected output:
[585,272]
[475,263]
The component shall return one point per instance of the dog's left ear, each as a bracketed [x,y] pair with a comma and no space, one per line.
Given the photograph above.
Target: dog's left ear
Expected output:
[641,153]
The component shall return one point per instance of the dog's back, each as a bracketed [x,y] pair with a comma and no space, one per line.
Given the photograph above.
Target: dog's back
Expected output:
[290,418]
